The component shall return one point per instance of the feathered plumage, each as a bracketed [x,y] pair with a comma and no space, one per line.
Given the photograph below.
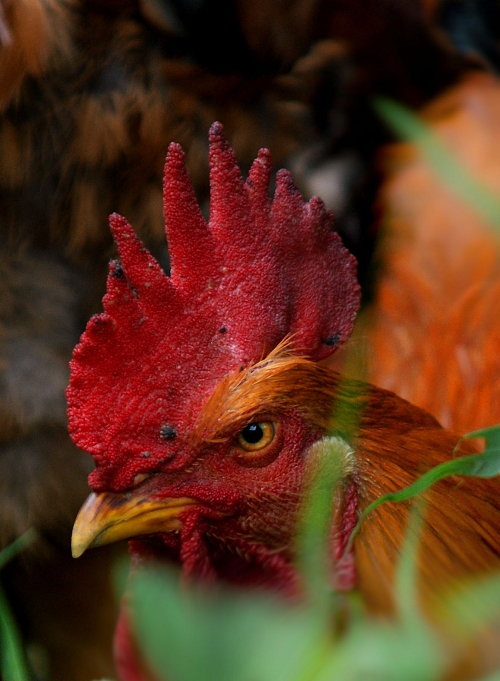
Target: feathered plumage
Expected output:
[435,315]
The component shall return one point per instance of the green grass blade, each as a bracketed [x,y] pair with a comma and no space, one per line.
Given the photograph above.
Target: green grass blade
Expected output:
[13,664]
[484,465]
[314,560]
[10,551]
[408,126]
[407,570]
[12,660]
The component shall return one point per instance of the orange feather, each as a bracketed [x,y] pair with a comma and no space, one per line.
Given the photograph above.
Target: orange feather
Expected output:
[395,443]
[434,336]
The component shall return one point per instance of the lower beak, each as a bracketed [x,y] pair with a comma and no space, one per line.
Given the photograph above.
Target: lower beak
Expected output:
[106,518]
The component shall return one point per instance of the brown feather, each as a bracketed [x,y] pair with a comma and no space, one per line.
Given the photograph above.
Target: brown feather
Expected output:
[459,541]
[39,34]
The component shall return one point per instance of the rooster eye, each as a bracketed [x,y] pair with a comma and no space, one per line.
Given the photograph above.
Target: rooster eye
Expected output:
[256,436]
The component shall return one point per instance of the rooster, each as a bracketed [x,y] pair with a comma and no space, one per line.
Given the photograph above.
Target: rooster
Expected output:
[91,94]
[205,401]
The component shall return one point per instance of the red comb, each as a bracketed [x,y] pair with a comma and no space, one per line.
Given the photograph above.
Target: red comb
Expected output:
[259,270]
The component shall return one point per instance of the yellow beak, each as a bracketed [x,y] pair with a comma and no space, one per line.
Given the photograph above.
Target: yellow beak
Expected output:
[106,518]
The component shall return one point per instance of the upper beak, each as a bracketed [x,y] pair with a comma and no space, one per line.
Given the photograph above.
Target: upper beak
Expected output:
[107,517]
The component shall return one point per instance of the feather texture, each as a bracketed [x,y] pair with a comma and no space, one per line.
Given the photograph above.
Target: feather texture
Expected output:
[435,320]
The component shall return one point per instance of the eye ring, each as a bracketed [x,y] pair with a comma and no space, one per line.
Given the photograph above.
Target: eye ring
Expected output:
[256,436]
[258,444]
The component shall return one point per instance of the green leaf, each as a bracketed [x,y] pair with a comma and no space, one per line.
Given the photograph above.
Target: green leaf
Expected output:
[473,606]
[234,636]
[493,677]
[220,636]
[489,464]
[410,127]
[378,651]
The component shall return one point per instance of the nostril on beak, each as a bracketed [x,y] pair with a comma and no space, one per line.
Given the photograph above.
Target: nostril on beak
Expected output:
[140,477]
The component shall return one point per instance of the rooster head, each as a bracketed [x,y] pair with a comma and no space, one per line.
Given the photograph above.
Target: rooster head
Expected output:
[199,394]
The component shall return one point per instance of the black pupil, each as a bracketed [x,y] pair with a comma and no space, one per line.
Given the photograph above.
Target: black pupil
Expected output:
[253,433]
